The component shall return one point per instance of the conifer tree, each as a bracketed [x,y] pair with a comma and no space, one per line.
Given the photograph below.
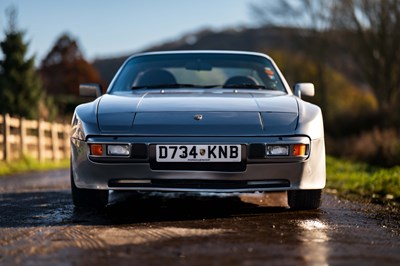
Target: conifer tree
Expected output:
[20,86]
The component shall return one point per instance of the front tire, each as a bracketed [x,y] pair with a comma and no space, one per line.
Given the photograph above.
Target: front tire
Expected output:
[88,198]
[304,199]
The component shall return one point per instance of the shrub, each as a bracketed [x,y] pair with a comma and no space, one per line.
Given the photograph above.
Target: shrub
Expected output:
[378,147]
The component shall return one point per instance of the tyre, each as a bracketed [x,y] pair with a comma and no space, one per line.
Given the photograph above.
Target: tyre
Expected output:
[304,199]
[88,198]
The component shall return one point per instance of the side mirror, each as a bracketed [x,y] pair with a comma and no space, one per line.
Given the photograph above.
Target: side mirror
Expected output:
[90,89]
[306,89]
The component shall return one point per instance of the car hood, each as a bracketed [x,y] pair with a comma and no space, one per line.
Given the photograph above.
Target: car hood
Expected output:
[158,113]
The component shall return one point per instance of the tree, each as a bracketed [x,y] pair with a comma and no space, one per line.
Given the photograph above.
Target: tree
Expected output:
[375,44]
[20,86]
[64,68]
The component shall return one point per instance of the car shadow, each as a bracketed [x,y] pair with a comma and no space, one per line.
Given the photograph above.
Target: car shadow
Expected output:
[153,207]
[55,208]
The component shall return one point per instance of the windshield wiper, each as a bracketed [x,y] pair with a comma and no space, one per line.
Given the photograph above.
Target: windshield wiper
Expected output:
[247,86]
[159,86]
[181,85]
[176,85]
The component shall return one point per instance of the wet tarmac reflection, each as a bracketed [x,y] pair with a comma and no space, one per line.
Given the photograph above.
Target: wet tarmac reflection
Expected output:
[314,239]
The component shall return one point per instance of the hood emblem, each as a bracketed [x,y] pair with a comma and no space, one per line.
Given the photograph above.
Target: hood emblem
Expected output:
[198,117]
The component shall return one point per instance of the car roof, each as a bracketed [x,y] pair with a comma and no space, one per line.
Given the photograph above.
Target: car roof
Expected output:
[202,52]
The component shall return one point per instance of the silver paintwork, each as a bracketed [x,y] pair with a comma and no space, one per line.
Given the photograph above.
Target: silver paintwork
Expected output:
[228,116]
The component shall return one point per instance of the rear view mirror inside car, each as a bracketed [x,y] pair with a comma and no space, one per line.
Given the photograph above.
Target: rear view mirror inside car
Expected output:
[198,65]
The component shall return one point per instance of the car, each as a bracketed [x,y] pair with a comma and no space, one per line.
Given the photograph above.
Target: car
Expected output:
[194,122]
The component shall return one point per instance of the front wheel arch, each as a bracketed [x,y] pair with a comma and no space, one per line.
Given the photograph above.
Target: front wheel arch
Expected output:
[88,198]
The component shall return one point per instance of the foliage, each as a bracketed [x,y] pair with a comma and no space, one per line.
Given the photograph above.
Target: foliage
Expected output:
[27,164]
[64,68]
[20,87]
[361,179]
[342,97]
[376,147]
[375,44]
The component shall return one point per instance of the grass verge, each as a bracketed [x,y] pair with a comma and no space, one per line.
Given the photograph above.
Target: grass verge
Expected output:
[361,179]
[27,164]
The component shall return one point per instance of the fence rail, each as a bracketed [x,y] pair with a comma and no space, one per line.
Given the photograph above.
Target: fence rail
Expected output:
[36,138]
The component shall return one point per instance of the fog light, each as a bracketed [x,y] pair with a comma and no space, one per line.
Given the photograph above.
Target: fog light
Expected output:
[118,150]
[277,150]
[299,149]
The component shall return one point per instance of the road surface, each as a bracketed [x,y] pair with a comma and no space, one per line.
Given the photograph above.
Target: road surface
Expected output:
[40,226]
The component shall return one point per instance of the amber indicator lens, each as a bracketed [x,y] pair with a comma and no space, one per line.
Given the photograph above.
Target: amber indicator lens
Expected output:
[96,149]
[299,149]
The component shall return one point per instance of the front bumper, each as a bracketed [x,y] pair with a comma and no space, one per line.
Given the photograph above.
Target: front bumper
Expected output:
[258,174]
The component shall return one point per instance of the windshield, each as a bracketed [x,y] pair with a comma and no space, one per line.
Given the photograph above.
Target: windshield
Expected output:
[197,70]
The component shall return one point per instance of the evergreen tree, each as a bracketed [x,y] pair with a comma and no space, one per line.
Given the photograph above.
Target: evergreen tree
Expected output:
[20,86]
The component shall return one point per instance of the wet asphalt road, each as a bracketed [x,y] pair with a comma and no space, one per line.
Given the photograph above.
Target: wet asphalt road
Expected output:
[40,226]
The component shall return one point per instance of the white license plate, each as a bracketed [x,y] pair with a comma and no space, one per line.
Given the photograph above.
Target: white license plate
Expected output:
[198,153]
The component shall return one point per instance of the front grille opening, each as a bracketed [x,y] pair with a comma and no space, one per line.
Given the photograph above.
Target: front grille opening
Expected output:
[218,167]
[199,184]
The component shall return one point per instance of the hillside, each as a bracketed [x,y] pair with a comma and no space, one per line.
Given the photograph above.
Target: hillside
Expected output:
[266,39]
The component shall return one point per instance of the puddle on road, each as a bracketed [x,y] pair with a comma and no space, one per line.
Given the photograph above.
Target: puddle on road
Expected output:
[312,225]
[127,236]
[314,238]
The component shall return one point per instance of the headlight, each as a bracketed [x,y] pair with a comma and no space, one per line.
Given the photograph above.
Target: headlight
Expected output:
[277,150]
[105,150]
[114,152]
[118,150]
[287,150]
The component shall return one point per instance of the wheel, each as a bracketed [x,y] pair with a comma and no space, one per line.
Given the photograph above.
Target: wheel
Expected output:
[304,199]
[88,198]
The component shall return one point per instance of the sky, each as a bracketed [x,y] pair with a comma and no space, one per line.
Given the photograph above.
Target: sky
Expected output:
[111,28]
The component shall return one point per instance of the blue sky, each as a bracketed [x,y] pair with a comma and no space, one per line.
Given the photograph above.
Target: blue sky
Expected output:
[109,28]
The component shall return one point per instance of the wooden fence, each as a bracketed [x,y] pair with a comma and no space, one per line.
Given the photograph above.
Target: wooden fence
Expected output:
[35,138]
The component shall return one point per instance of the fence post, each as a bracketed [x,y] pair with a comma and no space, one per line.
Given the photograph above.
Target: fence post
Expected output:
[22,128]
[54,141]
[7,144]
[41,140]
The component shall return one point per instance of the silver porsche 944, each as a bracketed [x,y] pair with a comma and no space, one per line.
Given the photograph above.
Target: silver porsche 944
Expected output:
[198,121]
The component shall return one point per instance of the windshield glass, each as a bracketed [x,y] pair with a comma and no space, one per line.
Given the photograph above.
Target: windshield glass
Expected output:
[197,70]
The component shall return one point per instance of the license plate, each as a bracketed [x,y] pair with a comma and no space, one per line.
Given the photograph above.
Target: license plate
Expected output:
[198,153]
